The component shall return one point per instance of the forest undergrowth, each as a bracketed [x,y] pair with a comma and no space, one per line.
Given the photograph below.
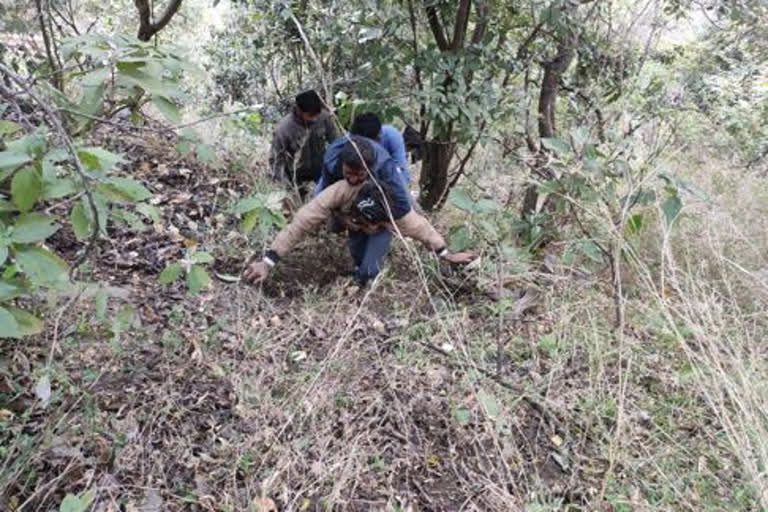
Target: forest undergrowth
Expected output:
[420,393]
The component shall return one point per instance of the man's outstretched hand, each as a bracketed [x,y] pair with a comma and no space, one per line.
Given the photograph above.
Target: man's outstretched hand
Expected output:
[461,258]
[256,271]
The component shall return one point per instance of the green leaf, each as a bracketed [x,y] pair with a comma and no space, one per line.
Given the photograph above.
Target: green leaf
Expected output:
[25,188]
[249,221]
[167,108]
[463,416]
[89,160]
[490,404]
[33,227]
[591,250]
[72,503]
[134,76]
[58,188]
[93,91]
[8,128]
[102,211]
[459,238]
[248,204]
[101,303]
[202,257]
[12,160]
[461,199]
[266,221]
[205,153]
[197,279]
[7,206]
[149,211]
[9,290]
[558,146]
[184,147]
[580,136]
[486,206]
[99,159]
[81,221]
[134,221]
[9,327]
[170,273]
[635,224]
[671,207]
[28,323]
[128,188]
[41,265]
[3,254]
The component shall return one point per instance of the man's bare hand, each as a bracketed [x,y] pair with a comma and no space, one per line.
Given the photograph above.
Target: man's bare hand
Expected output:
[461,258]
[256,271]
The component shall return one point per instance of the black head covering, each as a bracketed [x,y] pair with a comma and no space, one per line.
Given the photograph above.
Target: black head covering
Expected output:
[371,202]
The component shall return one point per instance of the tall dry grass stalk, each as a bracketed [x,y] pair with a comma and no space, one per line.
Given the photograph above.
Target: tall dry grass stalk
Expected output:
[712,291]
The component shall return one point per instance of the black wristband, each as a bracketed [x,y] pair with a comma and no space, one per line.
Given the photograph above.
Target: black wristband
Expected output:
[271,258]
[442,251]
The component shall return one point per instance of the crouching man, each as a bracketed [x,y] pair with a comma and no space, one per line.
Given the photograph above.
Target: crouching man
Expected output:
[364,208]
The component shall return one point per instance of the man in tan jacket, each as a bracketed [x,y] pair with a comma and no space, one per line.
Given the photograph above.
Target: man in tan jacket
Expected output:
[364,207]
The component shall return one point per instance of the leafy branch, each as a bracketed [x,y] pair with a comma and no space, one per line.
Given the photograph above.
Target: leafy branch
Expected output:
[56,123]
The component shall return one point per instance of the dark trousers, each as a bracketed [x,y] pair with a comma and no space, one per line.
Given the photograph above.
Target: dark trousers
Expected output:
[369,252]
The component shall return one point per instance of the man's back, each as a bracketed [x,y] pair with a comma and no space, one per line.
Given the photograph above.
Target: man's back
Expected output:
[391,139]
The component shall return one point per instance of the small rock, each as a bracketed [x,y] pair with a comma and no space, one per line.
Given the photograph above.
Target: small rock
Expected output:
[446,347]
[379,327]
[298,356]
[644,417]
[561,461]
[275,321]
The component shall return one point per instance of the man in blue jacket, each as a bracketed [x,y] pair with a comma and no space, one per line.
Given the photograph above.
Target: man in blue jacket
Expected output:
[368,249]
[369,125]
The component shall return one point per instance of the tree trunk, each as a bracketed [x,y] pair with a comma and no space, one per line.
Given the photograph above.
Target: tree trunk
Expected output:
[147,29]
[553,72]
[434,171]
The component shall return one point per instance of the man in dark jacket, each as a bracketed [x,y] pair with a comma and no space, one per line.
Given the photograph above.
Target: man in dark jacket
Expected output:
[299,141]
[355,154]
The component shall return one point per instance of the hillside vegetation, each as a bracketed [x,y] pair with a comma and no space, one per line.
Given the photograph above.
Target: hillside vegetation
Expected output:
[607,160]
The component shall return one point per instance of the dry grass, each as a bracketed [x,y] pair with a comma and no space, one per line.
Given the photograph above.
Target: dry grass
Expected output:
[420,394]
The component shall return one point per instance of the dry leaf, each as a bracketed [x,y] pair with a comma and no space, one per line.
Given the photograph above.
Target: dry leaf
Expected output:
[43,390]
[556,440]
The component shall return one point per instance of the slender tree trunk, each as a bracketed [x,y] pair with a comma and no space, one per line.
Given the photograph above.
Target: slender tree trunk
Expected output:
[439,151]
[147,28]
[434,171]
[49,46]
[553,72]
